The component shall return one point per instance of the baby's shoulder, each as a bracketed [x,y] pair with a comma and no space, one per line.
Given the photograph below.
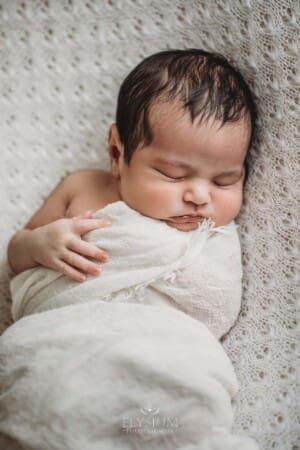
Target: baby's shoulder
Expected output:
[87,179]
[89,175]
[89,189]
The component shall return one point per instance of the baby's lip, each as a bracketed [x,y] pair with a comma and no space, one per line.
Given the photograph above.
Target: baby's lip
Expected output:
[191,218]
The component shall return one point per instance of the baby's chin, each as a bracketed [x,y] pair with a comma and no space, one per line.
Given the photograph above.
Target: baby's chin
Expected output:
[184,226]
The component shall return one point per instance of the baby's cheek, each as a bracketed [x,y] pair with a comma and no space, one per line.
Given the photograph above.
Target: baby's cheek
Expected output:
[160,197]
[228,205]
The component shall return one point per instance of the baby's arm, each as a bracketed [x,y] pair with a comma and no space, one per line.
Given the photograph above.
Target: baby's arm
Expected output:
[55,242]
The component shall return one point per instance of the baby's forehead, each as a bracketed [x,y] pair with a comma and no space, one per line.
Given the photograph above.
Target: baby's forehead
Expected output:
[175,135]
[166,115]
[163,109]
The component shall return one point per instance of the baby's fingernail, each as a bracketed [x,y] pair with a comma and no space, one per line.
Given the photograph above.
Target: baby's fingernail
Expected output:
[105,222]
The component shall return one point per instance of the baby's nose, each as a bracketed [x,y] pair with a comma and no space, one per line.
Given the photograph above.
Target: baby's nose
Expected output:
[197,192]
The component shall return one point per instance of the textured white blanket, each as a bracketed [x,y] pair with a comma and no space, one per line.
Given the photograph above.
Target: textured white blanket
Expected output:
[198,272]
[117,362]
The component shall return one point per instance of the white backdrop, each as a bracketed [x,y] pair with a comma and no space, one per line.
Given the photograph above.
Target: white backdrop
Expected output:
[61,64]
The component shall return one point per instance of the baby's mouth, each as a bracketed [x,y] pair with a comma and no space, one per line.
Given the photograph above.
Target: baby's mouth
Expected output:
[185,219]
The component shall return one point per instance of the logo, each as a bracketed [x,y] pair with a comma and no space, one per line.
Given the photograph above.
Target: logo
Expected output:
[150,420]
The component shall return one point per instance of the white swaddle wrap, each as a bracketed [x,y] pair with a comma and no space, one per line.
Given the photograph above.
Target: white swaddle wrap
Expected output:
[119,362]
[146,256]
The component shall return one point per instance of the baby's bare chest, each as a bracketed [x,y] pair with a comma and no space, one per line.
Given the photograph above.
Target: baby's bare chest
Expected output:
[92,193]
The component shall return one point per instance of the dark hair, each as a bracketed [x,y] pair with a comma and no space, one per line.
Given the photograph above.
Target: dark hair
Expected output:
[205,83]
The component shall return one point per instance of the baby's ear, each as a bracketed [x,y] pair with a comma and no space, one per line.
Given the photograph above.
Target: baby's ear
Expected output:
[115,150]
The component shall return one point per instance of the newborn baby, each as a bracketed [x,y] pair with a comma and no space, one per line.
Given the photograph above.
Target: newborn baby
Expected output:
[184,124]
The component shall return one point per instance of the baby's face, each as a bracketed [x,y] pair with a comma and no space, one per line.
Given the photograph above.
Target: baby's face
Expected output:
[189,172]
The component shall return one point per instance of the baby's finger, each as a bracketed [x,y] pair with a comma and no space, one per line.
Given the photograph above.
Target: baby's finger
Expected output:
[69,271]
[82,226]
[84,248]
[81,263]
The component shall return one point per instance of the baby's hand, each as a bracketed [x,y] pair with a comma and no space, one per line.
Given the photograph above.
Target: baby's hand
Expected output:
[58,245]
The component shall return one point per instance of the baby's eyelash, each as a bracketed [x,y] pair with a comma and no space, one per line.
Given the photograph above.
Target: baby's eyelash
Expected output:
[229,183]
[183,177]
[175,178]
[222,185]
[169,176]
